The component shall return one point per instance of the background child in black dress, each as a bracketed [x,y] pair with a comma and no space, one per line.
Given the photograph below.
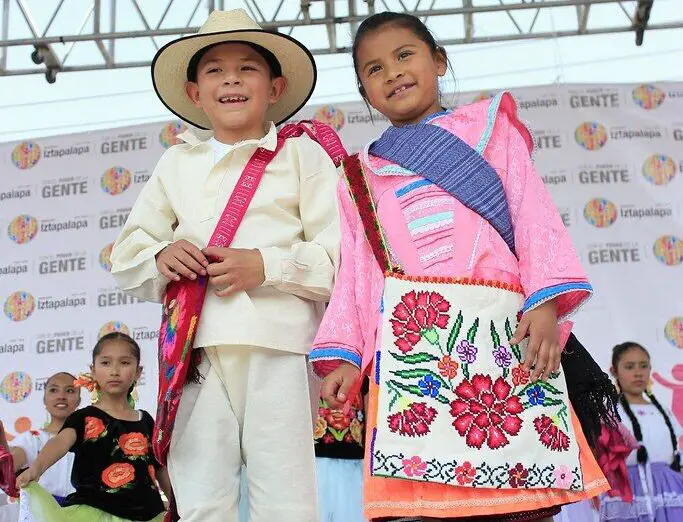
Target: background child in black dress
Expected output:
[114,473]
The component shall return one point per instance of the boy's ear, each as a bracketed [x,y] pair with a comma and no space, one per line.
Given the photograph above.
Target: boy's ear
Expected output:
[278,87]
[192,91]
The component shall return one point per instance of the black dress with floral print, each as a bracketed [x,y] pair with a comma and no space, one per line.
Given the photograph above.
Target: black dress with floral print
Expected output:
[339,435]
[114,468]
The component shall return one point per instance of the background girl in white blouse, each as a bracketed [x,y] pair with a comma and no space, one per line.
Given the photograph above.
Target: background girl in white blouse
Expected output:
[61,398]
[655,468]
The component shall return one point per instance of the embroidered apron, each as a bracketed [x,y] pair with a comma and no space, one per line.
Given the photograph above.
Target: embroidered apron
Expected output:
[454,405]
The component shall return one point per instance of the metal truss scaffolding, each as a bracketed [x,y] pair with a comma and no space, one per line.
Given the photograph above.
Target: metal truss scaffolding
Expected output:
[54,36]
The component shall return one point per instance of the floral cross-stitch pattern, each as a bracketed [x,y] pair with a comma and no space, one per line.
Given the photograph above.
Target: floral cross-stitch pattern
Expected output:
[456,401]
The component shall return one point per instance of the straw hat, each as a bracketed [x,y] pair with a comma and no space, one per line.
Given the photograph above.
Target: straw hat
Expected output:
[169,67]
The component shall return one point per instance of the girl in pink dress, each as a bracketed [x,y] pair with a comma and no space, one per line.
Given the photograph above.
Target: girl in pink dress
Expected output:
[456,281]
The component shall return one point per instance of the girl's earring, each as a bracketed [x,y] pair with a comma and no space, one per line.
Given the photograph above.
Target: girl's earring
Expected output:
[95,394]
[135,396]
[47,421]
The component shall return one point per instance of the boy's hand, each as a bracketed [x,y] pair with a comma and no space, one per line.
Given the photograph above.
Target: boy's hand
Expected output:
[28,476]
[234,269]
[544,350]
[181,258]
[337,384]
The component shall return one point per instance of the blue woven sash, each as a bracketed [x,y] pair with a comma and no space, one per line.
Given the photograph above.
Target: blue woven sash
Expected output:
[447,161]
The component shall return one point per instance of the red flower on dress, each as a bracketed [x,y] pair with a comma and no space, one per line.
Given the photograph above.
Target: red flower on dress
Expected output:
[485,412]
[418,312]
[337,420]
[465,474]
[448,367]
[414,421]
[520,375]
[94,428]
[550,435]
[518,476]
[118,475]
[328,438]
[134,444]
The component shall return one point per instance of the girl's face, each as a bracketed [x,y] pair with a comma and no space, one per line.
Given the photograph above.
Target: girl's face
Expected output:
[116,368]
[633,371]
[400,74]
[61,397]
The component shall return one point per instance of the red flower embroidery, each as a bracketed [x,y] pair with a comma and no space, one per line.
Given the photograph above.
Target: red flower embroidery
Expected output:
[520,375]
[413,422]
[550,435]
[337,420]
[486,411]
[134,444]
[465,474]
[328,438]
[448,367]
[118,475]
[94,428]
[416,313]
[518,476]
[414,467]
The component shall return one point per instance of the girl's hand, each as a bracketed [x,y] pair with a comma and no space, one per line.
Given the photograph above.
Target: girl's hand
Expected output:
[337,384]
[28,476]
[544,350]
[181,258]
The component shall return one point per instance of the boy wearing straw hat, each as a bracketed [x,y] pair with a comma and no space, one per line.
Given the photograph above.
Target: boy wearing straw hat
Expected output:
[252,404]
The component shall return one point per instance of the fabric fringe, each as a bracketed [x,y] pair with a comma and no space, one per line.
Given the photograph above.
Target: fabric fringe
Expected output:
[591,392]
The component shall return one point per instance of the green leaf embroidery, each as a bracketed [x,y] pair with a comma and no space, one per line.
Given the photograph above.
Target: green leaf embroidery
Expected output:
[553,375]
[416,373]
[415,358]
[514,347]
[410,388]
[505,373]
[495,336]
[442,399]
[472,332]
[395,397]
[549,387]
[465,370]
[455,332]
[338,435]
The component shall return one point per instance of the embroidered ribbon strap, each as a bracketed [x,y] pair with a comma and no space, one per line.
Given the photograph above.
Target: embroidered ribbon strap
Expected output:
[321,133]
[7,477]
[447,161]
[362,198]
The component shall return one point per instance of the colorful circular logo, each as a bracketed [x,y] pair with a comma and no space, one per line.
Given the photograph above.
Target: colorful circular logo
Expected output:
[113,326]
[673,331]
[484,95]
[105,257]
[26,155]
[648,97]
[659,169]
[22,229]
[19,306]
[331,116]
[16,387]
[669,250]
[115,180]
[600,212]
[169,133]
[591,135]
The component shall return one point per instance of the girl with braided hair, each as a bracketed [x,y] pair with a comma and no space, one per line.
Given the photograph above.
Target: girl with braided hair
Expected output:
[655,468]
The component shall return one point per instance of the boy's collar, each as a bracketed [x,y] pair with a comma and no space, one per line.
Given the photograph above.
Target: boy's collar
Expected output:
[195,137]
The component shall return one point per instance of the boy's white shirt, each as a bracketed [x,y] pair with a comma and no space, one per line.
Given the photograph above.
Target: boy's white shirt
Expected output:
[293,220]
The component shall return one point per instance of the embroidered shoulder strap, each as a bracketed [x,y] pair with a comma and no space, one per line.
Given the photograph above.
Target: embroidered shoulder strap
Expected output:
[361,195]
[323,134]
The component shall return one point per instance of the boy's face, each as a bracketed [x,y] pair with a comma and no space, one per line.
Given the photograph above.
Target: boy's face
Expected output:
[234,88]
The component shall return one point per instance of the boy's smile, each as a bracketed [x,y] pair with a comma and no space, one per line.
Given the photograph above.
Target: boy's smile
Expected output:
[234,88]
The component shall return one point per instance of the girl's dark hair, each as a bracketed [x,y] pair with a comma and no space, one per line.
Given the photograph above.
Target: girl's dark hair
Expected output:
[617,352]
[402,20]
[118,336]
[53,376]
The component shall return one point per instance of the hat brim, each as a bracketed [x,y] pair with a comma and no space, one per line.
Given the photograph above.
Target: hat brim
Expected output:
[169,72]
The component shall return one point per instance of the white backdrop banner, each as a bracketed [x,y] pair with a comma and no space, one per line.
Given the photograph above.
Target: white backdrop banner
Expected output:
[611,155]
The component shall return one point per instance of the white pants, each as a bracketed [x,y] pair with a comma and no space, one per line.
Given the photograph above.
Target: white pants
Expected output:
[252,406]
